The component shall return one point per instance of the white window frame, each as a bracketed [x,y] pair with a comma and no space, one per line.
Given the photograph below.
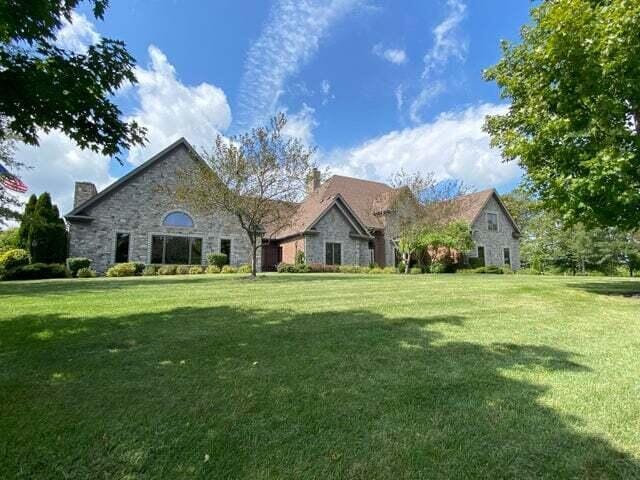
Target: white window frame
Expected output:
[497,221]
[324,248]
[115,245]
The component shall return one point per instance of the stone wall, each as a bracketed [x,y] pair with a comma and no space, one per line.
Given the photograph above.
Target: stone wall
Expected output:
[139,208]
[495,242]
[334,227]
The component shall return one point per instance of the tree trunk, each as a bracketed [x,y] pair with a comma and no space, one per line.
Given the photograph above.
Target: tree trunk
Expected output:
[254,255]
[406,257]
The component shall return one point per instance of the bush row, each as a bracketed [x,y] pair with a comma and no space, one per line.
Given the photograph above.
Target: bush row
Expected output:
[322,268]
[132,269]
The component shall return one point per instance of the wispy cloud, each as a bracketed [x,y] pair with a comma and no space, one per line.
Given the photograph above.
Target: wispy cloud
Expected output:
[289,39]
[396,56]
[448,44]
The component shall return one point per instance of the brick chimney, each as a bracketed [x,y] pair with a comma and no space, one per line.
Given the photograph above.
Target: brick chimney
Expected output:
[314,181]
[84,191]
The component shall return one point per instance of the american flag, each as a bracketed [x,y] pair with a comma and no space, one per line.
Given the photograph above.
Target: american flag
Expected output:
[11,182]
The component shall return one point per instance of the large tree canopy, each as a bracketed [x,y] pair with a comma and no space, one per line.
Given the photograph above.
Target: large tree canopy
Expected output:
[45,87]
[574,120]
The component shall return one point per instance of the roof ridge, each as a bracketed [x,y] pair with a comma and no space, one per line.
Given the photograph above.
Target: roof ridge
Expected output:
[360,180]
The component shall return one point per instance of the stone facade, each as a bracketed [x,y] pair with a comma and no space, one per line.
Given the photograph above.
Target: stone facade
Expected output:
[494,242]
[138,208]
[334,227]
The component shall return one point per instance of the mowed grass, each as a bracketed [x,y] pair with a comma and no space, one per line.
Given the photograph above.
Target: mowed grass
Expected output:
[320,376]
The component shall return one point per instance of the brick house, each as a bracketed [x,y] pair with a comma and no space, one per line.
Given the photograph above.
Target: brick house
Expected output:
[341,221]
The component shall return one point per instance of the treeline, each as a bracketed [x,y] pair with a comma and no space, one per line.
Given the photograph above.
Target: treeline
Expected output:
[551,244]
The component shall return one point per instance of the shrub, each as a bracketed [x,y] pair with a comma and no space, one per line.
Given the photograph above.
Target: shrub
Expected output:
[389,270]
[228,269]
[196,270]
[74,264]
[150,270]
[376,270]
[507,270]
[36,271]
[299,257]
[285,268]
[139,266]
[122,270]
[85,272]
[303,268]
[213,269]
[316,267]
[167,270]
[349,269]
[415,271]
[217,259]
[14,258]
[475,262]
[438,267]
[182,270]
[490,269]
[244,268]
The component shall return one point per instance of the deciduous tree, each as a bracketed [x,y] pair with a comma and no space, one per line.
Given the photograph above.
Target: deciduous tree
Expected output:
[45,87]
[254,177]
[574,117]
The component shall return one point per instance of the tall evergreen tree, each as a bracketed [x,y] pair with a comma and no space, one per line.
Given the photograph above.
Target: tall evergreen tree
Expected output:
[25,225]
[42,231]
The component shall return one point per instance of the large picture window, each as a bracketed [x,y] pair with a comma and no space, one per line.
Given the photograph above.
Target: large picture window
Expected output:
[175,250]
[122,247]
[507,256]
[333,254]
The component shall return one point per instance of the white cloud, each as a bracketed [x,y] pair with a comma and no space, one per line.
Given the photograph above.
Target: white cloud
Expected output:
[289,39]
[170,109]
[453,146]
[448,44]
[325,88]
[396,56]
[301,124]
[78,34]
[57,164]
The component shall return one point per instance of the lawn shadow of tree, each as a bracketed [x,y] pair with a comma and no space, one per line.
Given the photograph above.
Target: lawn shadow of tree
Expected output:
[263,393]
[623,288]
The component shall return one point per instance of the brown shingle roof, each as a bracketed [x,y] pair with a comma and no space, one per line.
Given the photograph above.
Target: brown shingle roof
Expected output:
[468,207]
[364,197]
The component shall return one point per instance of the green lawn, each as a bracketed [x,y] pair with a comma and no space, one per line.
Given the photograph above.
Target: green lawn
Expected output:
[320,376]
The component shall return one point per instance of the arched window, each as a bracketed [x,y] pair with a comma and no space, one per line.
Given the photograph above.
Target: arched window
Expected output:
[178,219]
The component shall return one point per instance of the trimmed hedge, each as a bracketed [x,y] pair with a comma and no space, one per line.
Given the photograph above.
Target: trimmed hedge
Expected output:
[217,259]
[150,271]
[75,264]
[213,269]
[196,270]
[128,269]
[167,270]
[228,269]
[86,273]
[36,271]
[183,270]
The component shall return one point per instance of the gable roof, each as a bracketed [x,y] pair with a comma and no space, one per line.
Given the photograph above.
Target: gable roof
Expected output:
[76,213]
[469,207]
[314,208]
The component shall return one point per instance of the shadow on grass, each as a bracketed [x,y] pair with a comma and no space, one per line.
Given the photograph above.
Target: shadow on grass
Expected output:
[39,288]
[282,394]
[623,288]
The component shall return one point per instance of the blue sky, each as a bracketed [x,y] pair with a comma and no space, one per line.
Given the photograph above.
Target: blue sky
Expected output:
[376,86]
